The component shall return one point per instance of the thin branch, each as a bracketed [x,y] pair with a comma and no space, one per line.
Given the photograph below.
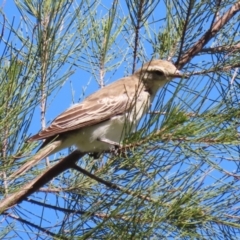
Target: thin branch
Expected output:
[67,210]
[216,69]
[170,137]
[112,185]
[44,230]
[3,27]
[70,211]
[216,15]
[216,27]
[234,75]
[44,56]
[220,49]
[137,29]
[189,10]
[191,114]
[105,43]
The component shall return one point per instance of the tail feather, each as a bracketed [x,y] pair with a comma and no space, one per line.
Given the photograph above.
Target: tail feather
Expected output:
[42,153]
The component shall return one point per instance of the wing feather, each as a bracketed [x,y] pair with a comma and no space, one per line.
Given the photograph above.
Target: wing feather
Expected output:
[98,107]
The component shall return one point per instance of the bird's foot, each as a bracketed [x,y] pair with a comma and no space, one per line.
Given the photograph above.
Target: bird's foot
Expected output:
[95,155]
[114,145]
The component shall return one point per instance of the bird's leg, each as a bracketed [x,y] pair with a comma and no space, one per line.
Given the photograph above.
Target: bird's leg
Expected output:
[115,148]
[95,155]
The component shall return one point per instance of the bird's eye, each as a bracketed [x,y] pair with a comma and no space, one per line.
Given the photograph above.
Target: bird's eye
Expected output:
[158,72]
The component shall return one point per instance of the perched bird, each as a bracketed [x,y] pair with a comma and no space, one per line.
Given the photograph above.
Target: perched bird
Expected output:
[103,119]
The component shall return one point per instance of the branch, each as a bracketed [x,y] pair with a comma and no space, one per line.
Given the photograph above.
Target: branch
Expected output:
[66,210]
[139,16]
[112,185]
[44,230]
[186,22]
[45,177]
[221,49]
[102,215]
[197,47]
[216,69]
[70,211]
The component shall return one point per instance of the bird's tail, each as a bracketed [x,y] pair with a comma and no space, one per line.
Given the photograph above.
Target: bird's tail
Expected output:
[42,153]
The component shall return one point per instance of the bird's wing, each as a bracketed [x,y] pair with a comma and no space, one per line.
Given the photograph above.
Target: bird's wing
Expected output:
[98,107]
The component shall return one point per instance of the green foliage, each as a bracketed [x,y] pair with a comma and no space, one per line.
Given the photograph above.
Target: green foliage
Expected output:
[177,176]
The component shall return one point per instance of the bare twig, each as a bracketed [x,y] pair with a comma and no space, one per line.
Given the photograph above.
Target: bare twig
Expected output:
[74,211]
[137,29]
[198,46]
[44,230]
[220,49]
[188,14]
[234,75]
[102,215]
[191,114]
[112,185]
[44,54]
[216,69]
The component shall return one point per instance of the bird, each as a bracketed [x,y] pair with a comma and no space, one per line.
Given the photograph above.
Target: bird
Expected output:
[103,119]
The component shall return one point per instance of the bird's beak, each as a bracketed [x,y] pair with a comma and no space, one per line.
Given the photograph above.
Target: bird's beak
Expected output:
[178,74]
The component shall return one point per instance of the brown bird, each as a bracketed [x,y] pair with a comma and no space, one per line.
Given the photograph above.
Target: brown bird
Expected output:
[103,119]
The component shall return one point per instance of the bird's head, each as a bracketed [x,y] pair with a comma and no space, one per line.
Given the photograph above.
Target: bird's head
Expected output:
[156,73]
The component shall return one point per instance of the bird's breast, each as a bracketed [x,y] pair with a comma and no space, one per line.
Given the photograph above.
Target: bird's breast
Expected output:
[114,129]
[141,106]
